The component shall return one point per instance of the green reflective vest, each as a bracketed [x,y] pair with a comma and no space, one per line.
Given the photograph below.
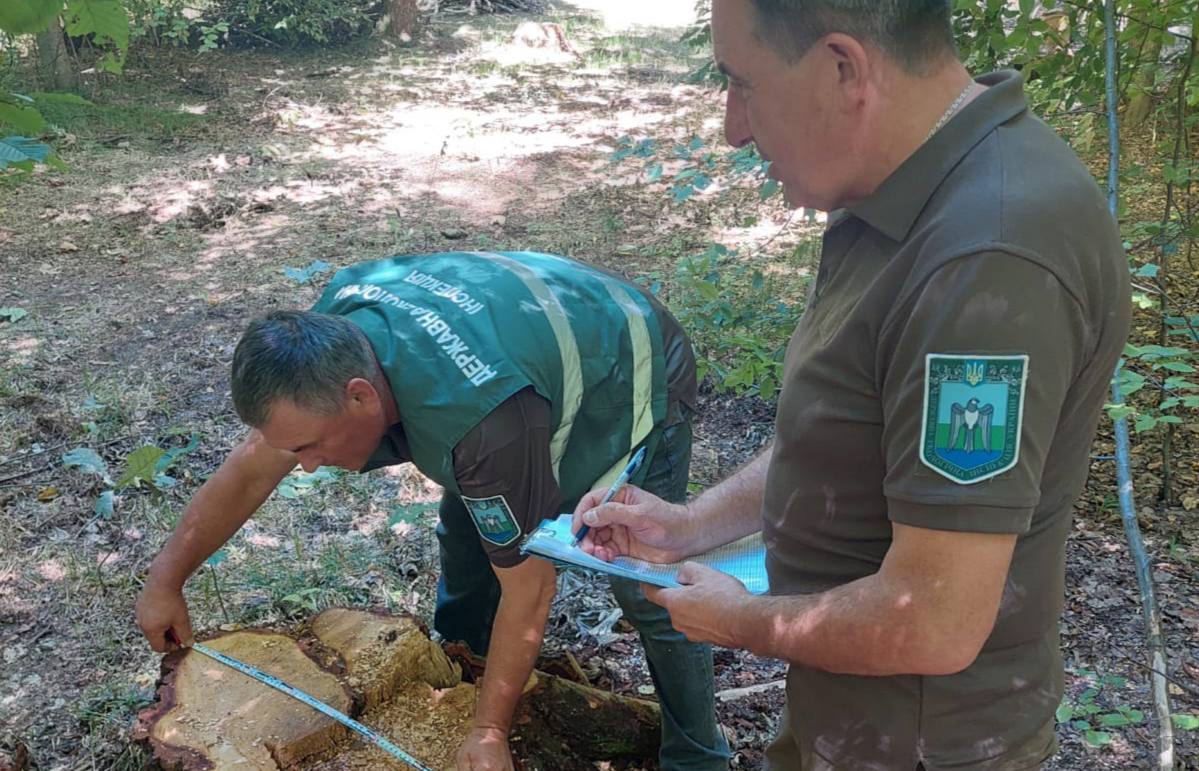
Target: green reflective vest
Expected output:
[458,333]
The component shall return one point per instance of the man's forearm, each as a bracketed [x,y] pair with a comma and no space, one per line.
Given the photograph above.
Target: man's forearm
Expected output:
[892,622]
[516,637]
[733,508]
[218,509]
[860,628]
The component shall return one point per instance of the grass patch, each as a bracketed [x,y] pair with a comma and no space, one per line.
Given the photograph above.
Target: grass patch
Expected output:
[98,121]
[110,705]
[659,50]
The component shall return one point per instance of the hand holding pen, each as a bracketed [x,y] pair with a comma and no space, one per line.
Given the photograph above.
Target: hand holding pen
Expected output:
[621,481]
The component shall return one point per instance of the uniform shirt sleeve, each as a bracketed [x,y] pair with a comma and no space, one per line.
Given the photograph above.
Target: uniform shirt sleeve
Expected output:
[992,303]
[508,454]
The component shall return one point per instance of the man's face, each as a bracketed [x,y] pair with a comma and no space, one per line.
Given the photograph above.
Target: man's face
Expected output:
[345,440]
[794,112]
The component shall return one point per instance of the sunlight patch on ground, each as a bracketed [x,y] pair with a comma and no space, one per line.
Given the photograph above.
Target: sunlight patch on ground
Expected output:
[23,348]
[177,198]
[51,570]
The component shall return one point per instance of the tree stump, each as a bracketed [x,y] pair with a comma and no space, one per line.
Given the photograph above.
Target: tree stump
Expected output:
[384,671]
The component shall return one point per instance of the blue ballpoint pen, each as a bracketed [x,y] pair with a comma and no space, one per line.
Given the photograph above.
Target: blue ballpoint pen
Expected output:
[621,481]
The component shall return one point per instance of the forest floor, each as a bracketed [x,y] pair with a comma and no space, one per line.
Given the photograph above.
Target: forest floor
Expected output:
[196,180]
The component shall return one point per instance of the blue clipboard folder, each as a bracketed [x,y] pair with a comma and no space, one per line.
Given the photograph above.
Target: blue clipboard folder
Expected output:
[744,559]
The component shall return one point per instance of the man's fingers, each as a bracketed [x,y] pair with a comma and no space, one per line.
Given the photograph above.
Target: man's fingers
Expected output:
[610,514]
[157,640]
[692,572]
[655,594]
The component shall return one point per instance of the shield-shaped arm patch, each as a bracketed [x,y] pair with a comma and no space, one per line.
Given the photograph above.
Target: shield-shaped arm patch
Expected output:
[493,519]
[973,409]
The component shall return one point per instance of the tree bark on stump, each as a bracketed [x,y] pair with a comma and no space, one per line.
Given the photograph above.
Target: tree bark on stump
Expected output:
[384,671]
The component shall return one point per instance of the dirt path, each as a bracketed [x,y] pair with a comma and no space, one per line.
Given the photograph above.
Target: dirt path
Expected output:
[194,183]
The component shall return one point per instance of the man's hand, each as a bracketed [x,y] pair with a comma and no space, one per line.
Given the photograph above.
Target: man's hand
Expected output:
[704,608]
[635,524]
[162,615]
[485,749]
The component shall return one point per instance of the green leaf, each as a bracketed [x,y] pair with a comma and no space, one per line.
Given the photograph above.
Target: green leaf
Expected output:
[140,466]
[26,120]
[1185,722]
[60,97]
[104,505]
[1120,411]
[1113,720]
[17,150]
[304,275]
[13,315]
[1143,301]
[1173,383]
[770,188]
[1130,382]
[1147,271]
[1064,712]
[1144,423]
[1177,366]
[105,20]
[1097,738]
[408,515]
[87,459]
[300,483]
[170,456]
[218,556]
[27,17]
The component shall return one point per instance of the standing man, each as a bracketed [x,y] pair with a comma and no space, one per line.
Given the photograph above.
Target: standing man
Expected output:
[517,381]
[939,399]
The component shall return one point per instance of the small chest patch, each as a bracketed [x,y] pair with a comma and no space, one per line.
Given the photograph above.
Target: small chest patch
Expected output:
[973,408]
[493,519]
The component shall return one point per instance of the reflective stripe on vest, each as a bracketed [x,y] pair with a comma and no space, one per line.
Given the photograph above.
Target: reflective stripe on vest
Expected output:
[643,377]
[568,350]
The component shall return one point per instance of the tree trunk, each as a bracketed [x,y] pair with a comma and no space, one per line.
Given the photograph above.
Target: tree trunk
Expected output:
[384,671]
[1144,78]
[401,18]
[57,66]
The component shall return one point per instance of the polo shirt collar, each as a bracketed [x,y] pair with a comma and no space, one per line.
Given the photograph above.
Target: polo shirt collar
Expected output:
[893,208]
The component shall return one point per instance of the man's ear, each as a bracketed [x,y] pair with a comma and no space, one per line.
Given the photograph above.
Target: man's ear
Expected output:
[853,63]
[361,394]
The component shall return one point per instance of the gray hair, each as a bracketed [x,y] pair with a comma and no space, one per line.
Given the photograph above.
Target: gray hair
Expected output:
[916,33]
[302,356]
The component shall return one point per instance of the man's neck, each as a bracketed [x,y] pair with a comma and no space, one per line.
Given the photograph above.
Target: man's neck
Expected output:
[391,412]
[913,106]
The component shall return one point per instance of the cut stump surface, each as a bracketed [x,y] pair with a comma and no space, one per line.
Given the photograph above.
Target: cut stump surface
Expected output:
[385,672]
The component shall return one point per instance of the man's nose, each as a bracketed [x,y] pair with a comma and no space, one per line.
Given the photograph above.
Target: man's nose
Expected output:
[736,126]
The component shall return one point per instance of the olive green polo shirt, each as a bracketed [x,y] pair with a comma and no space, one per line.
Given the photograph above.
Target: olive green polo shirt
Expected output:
[948,373]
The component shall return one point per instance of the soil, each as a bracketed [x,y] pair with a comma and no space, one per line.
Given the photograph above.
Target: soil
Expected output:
[140,265]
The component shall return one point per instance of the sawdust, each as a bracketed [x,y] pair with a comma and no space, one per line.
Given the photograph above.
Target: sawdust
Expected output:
[426,722]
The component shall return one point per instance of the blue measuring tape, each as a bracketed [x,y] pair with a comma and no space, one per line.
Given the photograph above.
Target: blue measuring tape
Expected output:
[320,706]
